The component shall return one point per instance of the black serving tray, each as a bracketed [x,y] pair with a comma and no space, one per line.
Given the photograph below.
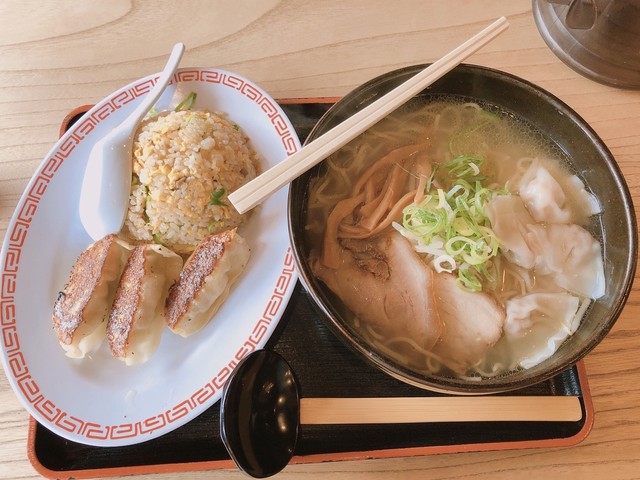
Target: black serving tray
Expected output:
[325,368]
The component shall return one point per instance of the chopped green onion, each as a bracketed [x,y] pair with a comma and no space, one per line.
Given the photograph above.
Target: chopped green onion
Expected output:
[216,197]
[468,279]
[157,238]
[187,103]
[451,223]
[147,203]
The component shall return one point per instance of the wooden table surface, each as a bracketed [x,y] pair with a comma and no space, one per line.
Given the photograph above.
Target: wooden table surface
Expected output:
[56,55]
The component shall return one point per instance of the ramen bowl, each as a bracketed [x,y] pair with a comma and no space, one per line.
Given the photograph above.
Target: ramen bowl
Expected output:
[589,159]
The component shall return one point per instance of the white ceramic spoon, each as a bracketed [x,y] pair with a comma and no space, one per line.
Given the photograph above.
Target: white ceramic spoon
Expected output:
[107,179]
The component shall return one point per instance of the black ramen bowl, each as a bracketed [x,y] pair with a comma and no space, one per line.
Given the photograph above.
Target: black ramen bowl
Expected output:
[591,160]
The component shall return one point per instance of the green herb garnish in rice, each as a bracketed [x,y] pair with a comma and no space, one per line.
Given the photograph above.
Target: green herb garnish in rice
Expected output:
[147,204]
[157,237]
[216,197]
[187,103]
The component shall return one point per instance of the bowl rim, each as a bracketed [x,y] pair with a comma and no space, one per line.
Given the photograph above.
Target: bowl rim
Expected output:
[333,319]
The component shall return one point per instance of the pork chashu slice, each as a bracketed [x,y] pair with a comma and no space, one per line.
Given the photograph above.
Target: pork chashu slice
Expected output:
[385,283]
[473,323]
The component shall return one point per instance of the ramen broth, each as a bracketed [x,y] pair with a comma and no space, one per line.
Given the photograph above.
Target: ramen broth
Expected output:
[514,162]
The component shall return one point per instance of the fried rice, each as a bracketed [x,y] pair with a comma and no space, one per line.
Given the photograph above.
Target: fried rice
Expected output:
[185,163]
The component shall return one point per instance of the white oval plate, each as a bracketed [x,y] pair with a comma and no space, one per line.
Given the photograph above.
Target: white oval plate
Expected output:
[99,400]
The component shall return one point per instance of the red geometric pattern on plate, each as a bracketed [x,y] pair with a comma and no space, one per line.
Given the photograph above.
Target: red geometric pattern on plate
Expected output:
[251,92]
[68,145]
[279,123]
[124,97]
[103,112]
[126,430]
[8,317]
[189,75]
[221,377]
[48,410]
[69,423]
[18,368]
[51,167]
[202,395]
[18,235]
[144,87]
[95,431]
[26,384]
[87,124]
[28,209]
[153,423]
[180,410]
[39,186]
[233,82]
[13,259]
[213,76]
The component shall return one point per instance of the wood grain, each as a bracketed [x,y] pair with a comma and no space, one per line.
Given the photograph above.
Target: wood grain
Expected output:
[56,55]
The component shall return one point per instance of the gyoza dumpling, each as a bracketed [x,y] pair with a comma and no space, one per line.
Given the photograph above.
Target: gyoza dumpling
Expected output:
[81,310]
[135,323]
[205,282]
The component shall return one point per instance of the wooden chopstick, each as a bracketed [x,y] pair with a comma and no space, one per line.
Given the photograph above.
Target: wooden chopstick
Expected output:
[334,411]
[257,190]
